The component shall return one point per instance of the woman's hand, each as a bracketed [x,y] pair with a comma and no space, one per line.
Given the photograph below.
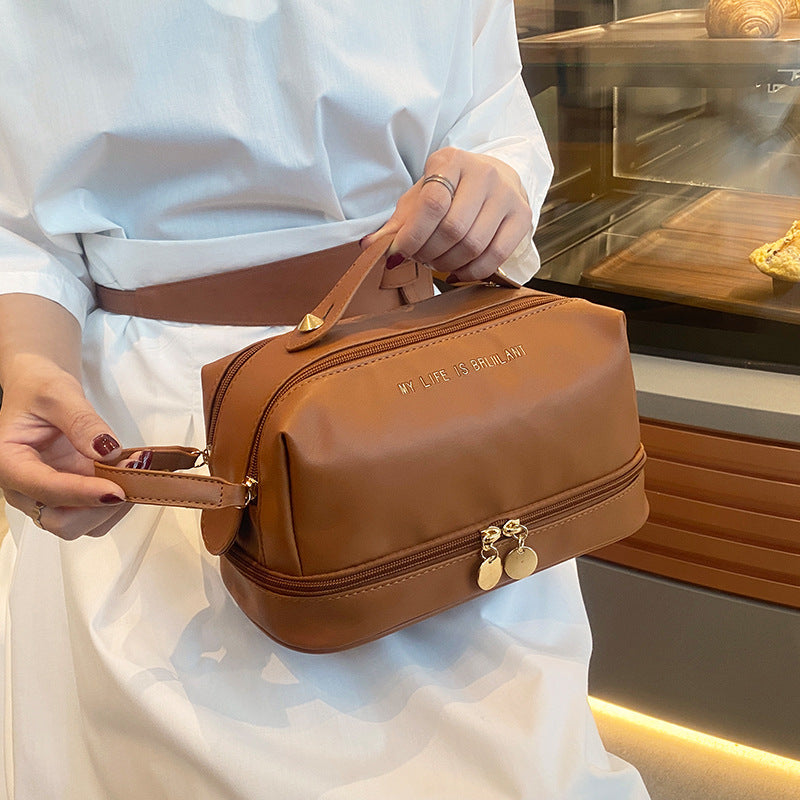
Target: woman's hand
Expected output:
[469,227]
[49,437]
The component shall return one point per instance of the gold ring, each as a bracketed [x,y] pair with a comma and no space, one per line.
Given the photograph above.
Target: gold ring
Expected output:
[37,514]
[436,178]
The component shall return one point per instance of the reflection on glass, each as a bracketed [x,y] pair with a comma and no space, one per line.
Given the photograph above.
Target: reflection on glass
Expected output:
[676,155]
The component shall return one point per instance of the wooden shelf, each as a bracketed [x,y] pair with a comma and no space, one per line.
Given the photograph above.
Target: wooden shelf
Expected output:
[723,513]
[700,257]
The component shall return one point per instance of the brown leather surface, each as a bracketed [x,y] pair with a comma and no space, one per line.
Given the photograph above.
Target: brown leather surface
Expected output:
[505,431]
[268,369]
[725,513]
[385,447]
[159,486]
[346,619]
[278,293]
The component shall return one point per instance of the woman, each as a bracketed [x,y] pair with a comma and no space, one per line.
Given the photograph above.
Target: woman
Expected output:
[155,142]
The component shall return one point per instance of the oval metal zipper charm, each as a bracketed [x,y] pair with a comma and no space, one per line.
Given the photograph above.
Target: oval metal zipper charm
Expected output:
[491,568]
[490,572]
[521,563]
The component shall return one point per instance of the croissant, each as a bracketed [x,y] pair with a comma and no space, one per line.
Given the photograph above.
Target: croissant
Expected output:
[791,9]
[745,19]
[780,259]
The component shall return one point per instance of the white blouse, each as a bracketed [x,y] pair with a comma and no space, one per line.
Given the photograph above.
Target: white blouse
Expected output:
[218,134]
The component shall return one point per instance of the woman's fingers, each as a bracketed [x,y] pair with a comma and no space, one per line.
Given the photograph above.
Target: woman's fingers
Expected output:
[466,215]
[72,414]
[505,240]
[32,478]
[49,438]
[69,523]
[421,209]
[464,223]
[421,234]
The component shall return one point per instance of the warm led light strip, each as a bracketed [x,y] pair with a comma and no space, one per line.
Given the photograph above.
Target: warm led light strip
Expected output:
[751,754]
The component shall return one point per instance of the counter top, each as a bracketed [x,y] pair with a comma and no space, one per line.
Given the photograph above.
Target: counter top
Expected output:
[744,401]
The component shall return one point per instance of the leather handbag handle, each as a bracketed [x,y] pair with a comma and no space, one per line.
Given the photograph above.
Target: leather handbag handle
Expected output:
[159,486]
[318,324]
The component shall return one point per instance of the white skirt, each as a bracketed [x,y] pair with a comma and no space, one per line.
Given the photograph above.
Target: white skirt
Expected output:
[131,674]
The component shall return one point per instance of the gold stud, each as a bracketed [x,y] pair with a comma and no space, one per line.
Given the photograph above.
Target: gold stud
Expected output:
[310,322]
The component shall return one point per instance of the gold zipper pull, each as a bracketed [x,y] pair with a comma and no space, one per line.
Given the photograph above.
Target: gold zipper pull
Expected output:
[251,490]
[522,561]
[491,568]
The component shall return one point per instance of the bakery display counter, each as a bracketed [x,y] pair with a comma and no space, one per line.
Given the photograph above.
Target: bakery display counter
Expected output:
[676,155]
[676,261]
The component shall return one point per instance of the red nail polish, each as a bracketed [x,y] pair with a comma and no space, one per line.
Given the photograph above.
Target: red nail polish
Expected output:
[104,444]
[395,260]
[142,463]
[110,499]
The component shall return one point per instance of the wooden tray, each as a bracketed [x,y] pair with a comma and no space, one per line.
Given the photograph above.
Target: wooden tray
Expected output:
[701,257]
[741,215]
[694,269]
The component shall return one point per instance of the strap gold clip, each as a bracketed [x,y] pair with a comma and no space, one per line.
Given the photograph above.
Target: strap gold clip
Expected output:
[203,457]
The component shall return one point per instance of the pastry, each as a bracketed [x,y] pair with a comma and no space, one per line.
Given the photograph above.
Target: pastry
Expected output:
[746,19]
[780,259]
[791,9]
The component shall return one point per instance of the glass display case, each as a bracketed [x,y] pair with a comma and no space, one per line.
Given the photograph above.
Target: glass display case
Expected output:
[676,155]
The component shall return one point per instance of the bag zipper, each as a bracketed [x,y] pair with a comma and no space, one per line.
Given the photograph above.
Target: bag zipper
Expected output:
[354,353]
[472,542]
[224,383]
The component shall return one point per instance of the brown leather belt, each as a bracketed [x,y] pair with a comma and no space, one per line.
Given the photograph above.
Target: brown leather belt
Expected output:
[278,293]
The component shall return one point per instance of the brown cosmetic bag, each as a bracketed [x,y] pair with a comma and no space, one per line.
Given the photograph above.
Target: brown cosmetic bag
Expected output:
[369,472]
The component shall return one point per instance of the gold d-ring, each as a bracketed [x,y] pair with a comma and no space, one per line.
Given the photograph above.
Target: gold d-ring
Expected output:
[37,514]
[436,178]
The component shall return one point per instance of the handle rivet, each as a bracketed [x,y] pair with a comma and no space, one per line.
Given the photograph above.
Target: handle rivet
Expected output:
[310,322]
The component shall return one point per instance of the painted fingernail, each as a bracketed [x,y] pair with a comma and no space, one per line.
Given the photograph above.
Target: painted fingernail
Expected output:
[452,278]
[143,462]
[110,499]
[105,444]
[395,260]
